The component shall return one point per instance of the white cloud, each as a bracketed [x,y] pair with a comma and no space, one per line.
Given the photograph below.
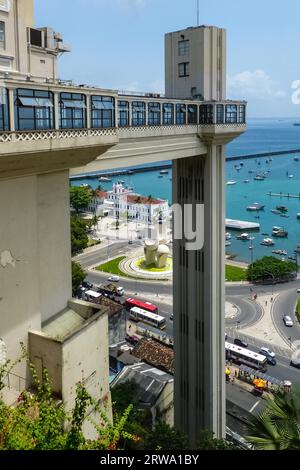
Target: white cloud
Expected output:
[257,85]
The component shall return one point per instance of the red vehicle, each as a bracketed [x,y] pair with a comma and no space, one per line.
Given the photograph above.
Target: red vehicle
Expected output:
[130,303]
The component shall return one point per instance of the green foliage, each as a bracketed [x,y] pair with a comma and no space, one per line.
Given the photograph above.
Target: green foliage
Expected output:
[163,437]
[78,275]
[298,309]
[235,273]
[278,426]
[79,238]
[271,269]
[80,197]
[40,422]
[207,441]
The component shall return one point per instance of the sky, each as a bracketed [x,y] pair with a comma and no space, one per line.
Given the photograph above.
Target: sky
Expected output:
[119,44]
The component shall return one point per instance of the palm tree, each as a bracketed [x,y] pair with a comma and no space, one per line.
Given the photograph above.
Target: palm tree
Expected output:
[278,426]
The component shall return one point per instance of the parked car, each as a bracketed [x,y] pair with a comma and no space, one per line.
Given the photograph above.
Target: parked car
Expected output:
[298,290]
[171,317]
[287,320]
[240,342]
[270,355]
[87,285]
[295,362]
[114,278]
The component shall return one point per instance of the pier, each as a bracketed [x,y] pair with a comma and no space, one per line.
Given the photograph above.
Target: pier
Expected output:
[281,195]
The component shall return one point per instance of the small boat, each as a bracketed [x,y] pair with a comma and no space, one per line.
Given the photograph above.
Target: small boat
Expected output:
[250,171]
[259,178]
[284,215]
[227,243]
[243,237]
[275,211]
[290,176]
[281,209]
[298,216]
[267,242]
[279,232]
[256,206]
[280,252]
[104,178]
[228,236]
[164,172]
[296,159]
[246,181]
[231,183]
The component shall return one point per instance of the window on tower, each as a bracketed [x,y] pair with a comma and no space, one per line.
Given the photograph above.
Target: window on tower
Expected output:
[184,69]
[183,47]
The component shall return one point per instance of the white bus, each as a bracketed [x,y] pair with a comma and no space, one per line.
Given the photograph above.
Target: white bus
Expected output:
[138,314]
[151,332]
[244,356]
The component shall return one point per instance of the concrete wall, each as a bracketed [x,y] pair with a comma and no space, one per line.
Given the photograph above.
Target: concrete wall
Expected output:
[19,264]
[55,281]
[207,62]
[165,404]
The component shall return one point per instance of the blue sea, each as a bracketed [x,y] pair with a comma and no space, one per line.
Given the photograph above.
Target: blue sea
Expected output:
[263,135]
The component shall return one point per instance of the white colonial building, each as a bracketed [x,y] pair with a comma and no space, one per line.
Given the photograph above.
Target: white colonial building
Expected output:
[123,203]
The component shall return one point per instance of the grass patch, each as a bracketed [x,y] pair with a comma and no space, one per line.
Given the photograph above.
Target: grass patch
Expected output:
[298,309]
[235,273]
[112,267]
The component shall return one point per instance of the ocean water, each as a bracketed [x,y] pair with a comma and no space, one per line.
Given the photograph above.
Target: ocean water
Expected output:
[263,135]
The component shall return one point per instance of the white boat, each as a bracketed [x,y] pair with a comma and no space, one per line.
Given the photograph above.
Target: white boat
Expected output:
[227,243]
[267,242]
[228,236]
[164,172]
[243,236]
[256,206]
[231,183]
[290,176]
[104,178]
[246,181]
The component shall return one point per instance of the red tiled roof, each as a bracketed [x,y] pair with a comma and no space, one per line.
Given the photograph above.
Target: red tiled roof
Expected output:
[135,199]
[101,194]
[155,354]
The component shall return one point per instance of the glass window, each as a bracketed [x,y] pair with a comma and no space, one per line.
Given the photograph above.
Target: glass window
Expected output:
[168,113]
[180,114]
[2,35]
[206,114]
[138,113]
[220,113]
[154,114]
[72,111]
[102,111]
[192,114]
[231,114]
[34,109]
[4,112]
[184,47]
[184,69]
[242,113]
[123,110]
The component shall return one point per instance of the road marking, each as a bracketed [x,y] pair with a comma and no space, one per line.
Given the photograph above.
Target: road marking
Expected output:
[254,406]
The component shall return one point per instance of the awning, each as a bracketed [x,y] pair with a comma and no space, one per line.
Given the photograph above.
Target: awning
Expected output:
[73,104]
[102,105]
[261,375]
[35,102]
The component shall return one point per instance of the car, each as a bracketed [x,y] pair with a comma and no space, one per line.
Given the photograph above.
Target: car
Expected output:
[171,317]
[114,278]
[298,290]
[287,320]
[240,342]
[130,242]
[87,285]
[295,362]
[270,355]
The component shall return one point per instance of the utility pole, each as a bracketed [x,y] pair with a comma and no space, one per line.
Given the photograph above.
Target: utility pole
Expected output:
[198,13]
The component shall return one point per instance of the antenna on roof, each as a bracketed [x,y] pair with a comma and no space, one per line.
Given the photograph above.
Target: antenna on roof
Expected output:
[198,14]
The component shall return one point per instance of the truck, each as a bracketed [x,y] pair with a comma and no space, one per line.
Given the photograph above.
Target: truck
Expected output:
[111,290]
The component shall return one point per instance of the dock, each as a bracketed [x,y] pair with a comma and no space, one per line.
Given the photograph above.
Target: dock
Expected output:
[287,195]
[241,225]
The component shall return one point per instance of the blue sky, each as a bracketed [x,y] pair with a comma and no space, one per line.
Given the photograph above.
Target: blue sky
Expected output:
[119,44]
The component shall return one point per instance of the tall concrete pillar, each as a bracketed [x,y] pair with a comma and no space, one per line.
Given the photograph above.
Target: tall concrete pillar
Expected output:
[199,300]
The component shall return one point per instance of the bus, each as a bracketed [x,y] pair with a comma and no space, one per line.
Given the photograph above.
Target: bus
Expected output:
[130,303]
[138,314]
[244,356]
[151,332]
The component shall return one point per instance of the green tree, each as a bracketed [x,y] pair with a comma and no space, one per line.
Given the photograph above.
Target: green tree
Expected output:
[163,437]
[78,275]
[79,238]
[80,197]
[278,426]
[270,269]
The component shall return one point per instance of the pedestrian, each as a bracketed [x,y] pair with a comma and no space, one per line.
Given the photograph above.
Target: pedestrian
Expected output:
[266,303]
[271,300]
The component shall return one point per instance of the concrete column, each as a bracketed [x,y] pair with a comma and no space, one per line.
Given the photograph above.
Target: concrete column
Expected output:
[11,110]
[56,110]
[88,112]
[199,300]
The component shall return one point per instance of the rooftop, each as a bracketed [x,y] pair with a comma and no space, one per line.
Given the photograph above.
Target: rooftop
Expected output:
[155,354]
